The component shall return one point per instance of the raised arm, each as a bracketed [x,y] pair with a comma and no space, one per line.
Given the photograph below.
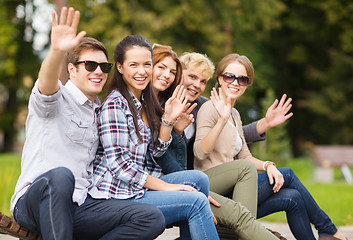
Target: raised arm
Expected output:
[63,38]
[276,114]
[224,110]
[174,106]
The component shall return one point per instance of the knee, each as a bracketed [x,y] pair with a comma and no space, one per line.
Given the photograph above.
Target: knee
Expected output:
[200,200]
[288,174]
[61,179]
[151,220]
[200,181]
[294,199]
[249,167]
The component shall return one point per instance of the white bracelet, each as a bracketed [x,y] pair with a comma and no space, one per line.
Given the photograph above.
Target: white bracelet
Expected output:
[168,123]
[264,165]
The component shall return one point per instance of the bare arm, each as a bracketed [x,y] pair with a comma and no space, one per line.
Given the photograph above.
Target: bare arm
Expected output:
[273,174]
[63,38]
[159,185]
[275,115]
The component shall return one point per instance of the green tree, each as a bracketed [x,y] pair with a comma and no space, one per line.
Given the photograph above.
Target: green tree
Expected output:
[312,55]
[16,62]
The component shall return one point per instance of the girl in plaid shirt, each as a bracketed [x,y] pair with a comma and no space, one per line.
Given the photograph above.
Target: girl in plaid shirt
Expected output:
[132,135]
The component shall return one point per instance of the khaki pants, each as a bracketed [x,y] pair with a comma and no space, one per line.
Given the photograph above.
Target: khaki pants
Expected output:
[237,213]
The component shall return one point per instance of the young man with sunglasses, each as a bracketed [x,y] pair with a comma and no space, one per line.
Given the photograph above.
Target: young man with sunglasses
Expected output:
[197,70]
[51,195]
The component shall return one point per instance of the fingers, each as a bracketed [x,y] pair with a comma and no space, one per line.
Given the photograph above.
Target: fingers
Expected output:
[76,19]
[274,105]
[70,16]
[213,202]
[188,188]
[62,17]
[214,219]
[279,181]
[284,96]
[191,108]
[53,19]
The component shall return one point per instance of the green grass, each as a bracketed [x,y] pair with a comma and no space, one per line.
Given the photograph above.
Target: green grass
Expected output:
[336,199]
[10,169]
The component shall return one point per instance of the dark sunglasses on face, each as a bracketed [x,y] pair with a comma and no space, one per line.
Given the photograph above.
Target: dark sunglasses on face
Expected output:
[91,66]
[230,77]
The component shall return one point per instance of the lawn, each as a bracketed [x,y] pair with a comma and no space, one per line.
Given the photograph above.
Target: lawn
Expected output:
[336,199]
[10,169]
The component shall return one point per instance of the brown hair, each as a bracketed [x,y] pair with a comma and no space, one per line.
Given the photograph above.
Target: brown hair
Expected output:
[160,52]
[231,58]
[87,43]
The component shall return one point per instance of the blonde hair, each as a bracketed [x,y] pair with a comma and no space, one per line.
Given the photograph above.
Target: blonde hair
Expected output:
[198,62]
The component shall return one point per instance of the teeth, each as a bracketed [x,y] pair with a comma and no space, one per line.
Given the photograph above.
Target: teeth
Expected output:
[193,92]
[163,81]
[140,79]
[96,80]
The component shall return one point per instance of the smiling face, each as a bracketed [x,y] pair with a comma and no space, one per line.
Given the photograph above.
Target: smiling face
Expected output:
[194,83]
[233,90]
[90,83]
[136,69]
[164,73]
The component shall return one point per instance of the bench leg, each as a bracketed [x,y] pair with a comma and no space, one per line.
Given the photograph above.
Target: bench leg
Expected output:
[10,227]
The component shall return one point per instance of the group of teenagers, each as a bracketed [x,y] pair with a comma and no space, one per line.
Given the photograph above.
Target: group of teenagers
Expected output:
[117,170]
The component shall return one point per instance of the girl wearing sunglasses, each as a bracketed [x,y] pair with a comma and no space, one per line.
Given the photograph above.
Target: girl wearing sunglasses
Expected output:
[133,130]
[222,153]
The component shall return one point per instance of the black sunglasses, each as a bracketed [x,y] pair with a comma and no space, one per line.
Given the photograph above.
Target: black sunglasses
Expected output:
[91,66]
[230,77]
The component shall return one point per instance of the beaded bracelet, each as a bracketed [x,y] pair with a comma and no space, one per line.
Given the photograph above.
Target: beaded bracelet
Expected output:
[168,123]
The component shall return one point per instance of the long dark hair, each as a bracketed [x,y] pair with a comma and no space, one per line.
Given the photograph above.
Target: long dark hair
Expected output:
[150,102]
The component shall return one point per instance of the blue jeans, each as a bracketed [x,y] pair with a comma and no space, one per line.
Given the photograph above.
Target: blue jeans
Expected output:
[190,209]
[173,160]
[297,202]
[47,208]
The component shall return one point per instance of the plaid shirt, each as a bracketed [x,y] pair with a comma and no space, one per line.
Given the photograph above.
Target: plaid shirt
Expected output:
[123,162]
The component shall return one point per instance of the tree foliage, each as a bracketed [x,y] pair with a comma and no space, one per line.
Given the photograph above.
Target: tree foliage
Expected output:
[302,48]
[16,62]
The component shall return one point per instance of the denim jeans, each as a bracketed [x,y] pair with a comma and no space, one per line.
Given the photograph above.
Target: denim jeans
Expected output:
[47,208]
[173,160]
[190,209]
[297,202]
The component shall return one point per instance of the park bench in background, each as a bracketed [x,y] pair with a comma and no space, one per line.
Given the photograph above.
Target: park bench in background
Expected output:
[10,227]
[329,157]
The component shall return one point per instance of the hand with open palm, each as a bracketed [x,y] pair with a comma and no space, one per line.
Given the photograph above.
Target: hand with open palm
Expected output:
[175,105]
[63,33]
[224,109]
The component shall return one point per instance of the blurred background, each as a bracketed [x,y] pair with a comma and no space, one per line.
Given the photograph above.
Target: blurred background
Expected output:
[298,47]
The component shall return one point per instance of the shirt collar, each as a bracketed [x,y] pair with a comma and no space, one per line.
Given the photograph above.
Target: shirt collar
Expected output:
[137,102]
[80,96]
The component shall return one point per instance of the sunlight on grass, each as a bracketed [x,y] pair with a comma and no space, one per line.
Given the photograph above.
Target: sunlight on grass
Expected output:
[336,199]
[9,173]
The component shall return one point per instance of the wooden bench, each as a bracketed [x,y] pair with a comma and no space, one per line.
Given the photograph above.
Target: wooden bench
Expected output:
[10,227]
[328,157]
